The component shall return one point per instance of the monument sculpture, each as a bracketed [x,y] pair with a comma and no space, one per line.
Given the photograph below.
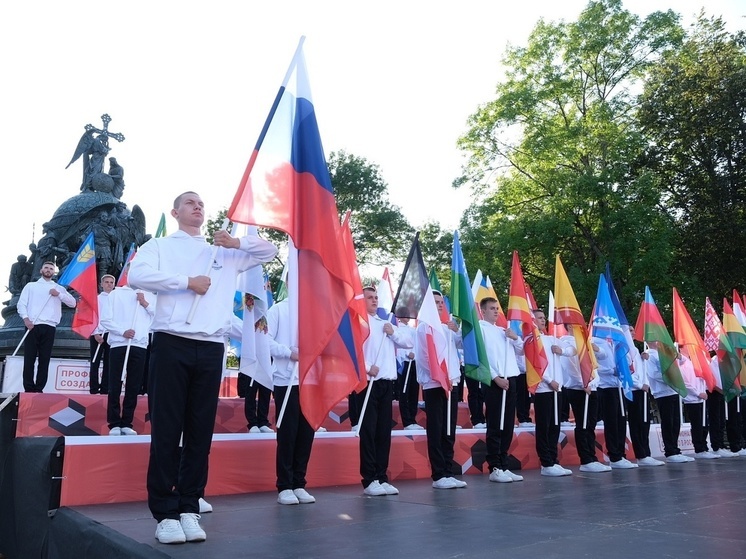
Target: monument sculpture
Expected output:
[98,208]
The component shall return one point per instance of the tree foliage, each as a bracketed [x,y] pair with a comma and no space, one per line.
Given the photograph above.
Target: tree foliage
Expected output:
[554,157]
[693,110]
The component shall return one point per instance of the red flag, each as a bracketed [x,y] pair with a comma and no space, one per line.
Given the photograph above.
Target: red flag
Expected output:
[690,342]
[357,308]
[287,186]
[536,357]
[122,281]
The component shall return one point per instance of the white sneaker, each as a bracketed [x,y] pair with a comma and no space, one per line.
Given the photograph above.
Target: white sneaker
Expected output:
[567,424]
[526,424]
[565,471]
[445,483]
[128,431]
[412,427]
[460,484]
[677,459]
[353,428]
[192,530]
[551,471]
[303,496]
[459,427]
[287,497]
[649,461]
[479,426]
[498,476]
[622,464]
[742,452]
[374,489]
[170,531]
[389,489]
[706,455]
[204,506]
[321,430]
[595,467]
[600,422]
[266,429]
[254,429]
[511,475]
[115,432]
[725,453]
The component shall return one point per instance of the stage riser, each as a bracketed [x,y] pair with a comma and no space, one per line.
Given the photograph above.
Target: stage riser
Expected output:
[97,471]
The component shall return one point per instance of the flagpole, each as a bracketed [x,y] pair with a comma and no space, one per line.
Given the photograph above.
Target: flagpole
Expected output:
[129,341]
[704,413]
[585,411]
[95,353]
[25,334]
[370,385]
[725,403]
[621,399]
[197,296]
[287,394]
[406,376]
[505,366]
[556,398]
[644,392]
[681,410]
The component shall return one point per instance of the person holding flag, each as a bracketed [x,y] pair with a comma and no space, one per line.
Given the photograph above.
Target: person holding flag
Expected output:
[409,389]
[40,308]
[126,315]
[99,343]
[195,283]
[502,345]
[694,406]
[375,422]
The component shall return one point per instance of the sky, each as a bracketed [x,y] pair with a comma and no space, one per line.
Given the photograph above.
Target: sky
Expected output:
[190,84]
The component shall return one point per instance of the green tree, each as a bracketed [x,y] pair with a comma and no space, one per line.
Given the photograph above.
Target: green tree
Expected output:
[554,157]
[379,229]
[693,110]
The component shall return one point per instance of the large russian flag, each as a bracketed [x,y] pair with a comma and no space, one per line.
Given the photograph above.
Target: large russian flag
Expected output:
[286,186]
[80,275]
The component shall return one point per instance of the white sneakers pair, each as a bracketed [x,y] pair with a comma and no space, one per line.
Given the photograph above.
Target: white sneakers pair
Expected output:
[295,497]
[378,489]
[555,471]
[449,483]
[650,461]
[116,431]
[414,427]
[504,476]
[623,464]
[725,453]
[595,467]
[678,459]
[186,529]
[479,426]
[706,455]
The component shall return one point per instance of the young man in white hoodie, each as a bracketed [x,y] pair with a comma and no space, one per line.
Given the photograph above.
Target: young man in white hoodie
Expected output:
[502,346]
[186,359]
[440,440]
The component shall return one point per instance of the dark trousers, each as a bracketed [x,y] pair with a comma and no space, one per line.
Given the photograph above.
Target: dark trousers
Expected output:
[475,399]
[354,402]
[294,441]
[670,415]
[133,381]
[523,400]
[639,428]
[615,422]
[102,356]
[694,413]
[375,433]
[564,414]
[499,440]
[39,342]
[182,398]
[718,423]
[409,394]
[256,404]
[546,433]
[585,438]
[440,441]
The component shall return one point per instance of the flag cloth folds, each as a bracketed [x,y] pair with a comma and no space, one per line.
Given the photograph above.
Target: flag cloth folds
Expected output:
[690,342]
[738,309]
[567,311]
[80,275]
[651,328]
[287,186]
[606,325]
[735,336]
[518,310]
[713,328]
[481,287]
[414,299]
[357,310]
[476,365]
[123,275]
[161,230]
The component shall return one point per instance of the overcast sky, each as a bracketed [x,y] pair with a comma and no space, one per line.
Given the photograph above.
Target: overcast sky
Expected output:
[190,84]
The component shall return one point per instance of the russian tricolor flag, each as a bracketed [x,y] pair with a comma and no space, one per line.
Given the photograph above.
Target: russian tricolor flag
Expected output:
[287,186]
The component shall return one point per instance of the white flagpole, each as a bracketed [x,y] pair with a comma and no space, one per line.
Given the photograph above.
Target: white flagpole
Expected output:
[287,394]
[406,376]
[585,411]
[556,399]
[704,413]
[197,296]
[621,400]
[448,392]
[505,392]
[725,403]
[25,334]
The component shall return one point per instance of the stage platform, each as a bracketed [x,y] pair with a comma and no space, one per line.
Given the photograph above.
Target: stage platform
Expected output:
[676,510]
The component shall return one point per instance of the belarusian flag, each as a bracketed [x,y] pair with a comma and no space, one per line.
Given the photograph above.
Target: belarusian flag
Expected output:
[651,328]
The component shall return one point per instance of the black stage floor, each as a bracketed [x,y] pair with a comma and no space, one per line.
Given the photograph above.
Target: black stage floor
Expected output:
[676,510]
